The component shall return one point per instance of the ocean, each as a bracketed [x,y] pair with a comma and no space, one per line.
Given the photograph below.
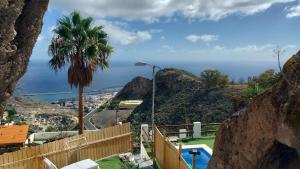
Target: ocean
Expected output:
[39,78]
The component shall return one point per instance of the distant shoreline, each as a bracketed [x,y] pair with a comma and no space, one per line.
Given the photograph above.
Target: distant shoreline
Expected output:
[68,94]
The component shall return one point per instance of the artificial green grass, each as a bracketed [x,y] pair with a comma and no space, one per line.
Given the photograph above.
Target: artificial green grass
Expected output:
[110,163]
[209,141]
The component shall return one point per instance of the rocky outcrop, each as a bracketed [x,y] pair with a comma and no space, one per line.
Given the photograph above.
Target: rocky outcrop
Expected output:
[20,25]
[266,135]
[135,89]
[182,98]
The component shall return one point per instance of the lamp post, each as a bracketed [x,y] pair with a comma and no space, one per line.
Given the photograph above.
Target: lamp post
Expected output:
[153,92]
[194,153]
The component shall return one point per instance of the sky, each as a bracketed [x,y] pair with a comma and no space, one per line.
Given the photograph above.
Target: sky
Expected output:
[186,30]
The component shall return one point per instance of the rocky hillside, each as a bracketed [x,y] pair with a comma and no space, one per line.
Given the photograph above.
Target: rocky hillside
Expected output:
[135,89]
[266,135]
[182,98]
[20,26]
[25,104]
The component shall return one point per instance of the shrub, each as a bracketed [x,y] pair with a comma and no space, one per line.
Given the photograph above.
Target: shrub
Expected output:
[214,79]
[260,84]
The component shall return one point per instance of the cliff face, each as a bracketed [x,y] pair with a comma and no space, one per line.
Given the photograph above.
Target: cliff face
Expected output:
[20,25]
[135,89]
[266,135]
[182,98]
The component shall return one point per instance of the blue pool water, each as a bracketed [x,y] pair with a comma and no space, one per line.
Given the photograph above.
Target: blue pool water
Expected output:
[201,160]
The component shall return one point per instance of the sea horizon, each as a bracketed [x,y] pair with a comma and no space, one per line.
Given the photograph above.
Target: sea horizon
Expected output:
[39,78]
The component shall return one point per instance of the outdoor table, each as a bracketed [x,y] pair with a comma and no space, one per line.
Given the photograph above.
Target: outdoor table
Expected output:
[71,166]
[84,164]
[87,164]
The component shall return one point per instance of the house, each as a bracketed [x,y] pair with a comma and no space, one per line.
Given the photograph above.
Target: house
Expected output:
[129,104]
[13,136]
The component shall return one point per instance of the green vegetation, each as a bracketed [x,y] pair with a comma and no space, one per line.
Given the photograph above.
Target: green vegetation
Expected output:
[182,98]
[115,163]
[214,79]
[209,141]
[260,84]
[114,104]
[81,46]
[11,114]
[111,162]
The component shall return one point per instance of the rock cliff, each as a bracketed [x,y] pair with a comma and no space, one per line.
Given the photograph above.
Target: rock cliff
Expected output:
[266,135]
[20,25]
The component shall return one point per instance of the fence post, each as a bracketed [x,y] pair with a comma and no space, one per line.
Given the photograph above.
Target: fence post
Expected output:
[153,142]
[164,152]
[179,155]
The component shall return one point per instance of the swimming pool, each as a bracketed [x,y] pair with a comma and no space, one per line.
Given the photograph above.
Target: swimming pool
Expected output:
[201,160]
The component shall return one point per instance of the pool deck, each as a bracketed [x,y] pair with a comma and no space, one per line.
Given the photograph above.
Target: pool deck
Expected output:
[204,146]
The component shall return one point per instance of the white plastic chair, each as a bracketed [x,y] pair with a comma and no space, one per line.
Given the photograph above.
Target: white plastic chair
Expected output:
[49,163]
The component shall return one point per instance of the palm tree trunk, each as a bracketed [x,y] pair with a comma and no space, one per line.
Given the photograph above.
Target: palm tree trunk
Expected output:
[80,109]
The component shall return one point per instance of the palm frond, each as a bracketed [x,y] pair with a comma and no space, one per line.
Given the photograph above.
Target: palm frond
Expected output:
[82,46]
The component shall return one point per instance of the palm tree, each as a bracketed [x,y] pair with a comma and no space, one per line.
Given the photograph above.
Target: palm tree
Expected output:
[83,48]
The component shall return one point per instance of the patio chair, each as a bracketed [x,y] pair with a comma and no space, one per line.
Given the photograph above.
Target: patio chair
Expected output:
[49,163]
[84,164]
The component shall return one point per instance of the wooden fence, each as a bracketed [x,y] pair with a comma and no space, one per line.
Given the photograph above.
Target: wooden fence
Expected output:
[92,145]
[165,153]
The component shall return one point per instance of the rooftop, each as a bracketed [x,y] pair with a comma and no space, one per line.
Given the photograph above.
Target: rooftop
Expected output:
[13,135]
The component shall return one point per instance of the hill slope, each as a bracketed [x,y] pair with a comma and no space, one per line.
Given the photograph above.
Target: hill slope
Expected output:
[182,98]
[135,89]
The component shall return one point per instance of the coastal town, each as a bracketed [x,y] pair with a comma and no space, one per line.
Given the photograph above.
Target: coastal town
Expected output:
[55,116]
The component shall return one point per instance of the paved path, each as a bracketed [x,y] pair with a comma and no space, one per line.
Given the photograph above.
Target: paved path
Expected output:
[87,120]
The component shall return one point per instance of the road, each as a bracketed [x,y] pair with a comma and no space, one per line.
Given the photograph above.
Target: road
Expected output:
[87,120]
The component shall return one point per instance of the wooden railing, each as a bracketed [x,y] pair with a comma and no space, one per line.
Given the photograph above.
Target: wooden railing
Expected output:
[92,145]
[173,130]
[166,155]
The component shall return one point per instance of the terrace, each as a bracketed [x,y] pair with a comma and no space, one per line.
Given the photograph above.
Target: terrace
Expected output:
[111,148]
[172,144]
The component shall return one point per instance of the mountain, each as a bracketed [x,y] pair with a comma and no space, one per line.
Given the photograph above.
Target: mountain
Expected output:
[21,23]
[266,135]
[182,98]
[135,89]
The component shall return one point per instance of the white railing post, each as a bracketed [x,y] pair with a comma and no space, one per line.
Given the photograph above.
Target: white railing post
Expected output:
[144,132]
[197,130]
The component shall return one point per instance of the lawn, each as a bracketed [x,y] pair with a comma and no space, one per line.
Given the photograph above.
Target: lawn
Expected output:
[209,141]
[110,163]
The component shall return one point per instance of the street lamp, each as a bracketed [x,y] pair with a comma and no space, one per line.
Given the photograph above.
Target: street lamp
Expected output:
[153,88]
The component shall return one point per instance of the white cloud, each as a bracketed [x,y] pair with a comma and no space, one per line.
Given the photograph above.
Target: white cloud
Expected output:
[40,37]
[204,38]
[156,30]
[293,11]
[162,38]
[218,47]
[168,48]
[254,48]
[153,10]
[122,36]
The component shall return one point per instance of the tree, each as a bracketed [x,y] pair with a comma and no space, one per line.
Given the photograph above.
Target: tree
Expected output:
[261,83]
[214,79]
[83,48]
[11,114]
